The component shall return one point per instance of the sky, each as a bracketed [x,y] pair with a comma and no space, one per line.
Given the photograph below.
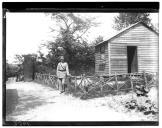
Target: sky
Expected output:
[25,32]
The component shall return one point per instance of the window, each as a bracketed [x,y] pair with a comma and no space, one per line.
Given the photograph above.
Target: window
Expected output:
[102,49]
[102,52]
[102,67]
[102,56]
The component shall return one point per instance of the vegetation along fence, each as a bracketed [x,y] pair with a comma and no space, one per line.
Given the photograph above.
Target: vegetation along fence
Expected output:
[107,83]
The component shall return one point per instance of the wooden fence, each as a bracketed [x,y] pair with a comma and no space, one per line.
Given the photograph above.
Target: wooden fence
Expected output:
[115,82]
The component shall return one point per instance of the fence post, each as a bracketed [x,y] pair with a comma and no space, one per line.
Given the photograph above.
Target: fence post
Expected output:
[101,84]
[44,79]
[49,79]
[75,82]
[35,76]
[116,82]
[44,76]
[131,82]
[145,79]
[157,79]
[41,78]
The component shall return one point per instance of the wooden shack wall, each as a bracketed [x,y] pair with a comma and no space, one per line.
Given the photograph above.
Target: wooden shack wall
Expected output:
[118,58]
[147,50]
[98,60]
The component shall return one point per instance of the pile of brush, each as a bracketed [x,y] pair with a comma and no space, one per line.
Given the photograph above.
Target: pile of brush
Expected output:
[146,107]
[141,90]
[142,103]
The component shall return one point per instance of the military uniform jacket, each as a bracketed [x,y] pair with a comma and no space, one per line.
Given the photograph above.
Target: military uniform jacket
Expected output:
[62,70]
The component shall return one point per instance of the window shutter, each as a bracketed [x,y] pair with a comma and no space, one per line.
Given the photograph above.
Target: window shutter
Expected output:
[102,67]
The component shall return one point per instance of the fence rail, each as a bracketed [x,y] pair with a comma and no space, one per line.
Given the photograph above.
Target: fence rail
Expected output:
[114,82]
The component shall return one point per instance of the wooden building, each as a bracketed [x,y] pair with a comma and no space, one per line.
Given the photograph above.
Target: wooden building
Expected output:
[134,49]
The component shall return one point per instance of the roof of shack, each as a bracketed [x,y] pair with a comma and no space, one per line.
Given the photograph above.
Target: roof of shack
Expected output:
[125,30]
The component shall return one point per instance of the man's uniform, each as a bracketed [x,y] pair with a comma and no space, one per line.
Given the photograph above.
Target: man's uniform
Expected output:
[62,72]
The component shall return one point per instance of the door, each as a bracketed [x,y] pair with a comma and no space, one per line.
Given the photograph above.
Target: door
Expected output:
[132,59]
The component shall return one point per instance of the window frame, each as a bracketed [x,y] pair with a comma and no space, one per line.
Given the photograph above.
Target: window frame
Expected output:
[102,66]
[102,49]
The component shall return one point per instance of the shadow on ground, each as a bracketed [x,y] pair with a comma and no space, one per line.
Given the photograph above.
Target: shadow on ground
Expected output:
[11,100]
[17,105]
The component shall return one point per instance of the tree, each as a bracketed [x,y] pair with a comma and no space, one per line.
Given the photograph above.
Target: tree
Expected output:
[11,70]
[155,27]
[71,29]
[19,59]
[99,39]
[7,70]
[72,25]
[125,19]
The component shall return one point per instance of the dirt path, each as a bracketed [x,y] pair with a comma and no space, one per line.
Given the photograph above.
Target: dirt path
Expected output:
[40,103]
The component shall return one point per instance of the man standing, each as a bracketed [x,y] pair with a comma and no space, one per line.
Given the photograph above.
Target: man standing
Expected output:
[62,72]
[18,73]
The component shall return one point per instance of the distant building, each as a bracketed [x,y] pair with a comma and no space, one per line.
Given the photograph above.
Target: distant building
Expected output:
[28,67]
[134,49]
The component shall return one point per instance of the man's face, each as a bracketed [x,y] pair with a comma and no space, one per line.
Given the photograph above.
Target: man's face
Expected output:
[62,59]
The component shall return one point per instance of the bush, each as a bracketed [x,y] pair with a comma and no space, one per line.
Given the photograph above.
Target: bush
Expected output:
[142,105]
[141,90]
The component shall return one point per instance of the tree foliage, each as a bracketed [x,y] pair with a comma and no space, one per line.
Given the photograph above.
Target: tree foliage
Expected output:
[72,25]
[71,29]
[11,70]
[99,39]
[19,59]
[125,19]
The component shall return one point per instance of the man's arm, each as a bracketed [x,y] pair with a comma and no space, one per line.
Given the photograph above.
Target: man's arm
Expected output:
[67,69]
[57,69]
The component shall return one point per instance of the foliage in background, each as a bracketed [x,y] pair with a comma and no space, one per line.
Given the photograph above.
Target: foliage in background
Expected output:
[19,59]
[78,53]
[11,70]
[123,20]
[99,39]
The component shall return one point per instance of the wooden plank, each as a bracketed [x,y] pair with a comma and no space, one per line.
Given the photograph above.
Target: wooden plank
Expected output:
[116,82]
[118,57]
[109,62]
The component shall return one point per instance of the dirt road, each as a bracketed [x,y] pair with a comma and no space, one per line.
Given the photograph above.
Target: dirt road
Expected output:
[41,103]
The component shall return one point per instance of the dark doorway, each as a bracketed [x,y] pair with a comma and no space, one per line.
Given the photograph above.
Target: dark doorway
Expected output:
[132,59]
